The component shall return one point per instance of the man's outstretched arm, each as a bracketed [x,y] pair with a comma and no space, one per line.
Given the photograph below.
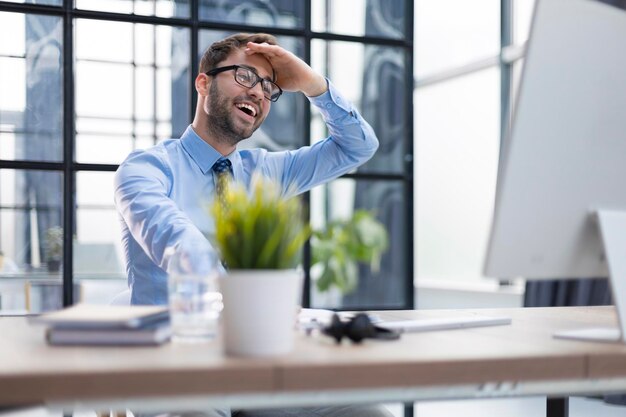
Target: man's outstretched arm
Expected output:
[153,219]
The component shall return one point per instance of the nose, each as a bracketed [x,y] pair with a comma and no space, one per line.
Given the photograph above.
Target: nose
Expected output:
[257,91]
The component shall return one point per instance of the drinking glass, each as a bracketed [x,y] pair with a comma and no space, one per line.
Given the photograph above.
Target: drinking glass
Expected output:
[194,300]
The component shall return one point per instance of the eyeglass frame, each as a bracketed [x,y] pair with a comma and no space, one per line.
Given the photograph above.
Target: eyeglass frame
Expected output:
[218,70]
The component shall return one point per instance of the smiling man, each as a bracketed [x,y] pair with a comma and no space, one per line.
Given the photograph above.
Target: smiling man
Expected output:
[261,71]
[161,193]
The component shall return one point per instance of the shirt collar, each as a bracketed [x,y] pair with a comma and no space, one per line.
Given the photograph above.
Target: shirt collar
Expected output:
[203,154]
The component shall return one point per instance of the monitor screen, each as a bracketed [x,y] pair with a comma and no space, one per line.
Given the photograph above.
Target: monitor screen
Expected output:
[564,159]
[565,156]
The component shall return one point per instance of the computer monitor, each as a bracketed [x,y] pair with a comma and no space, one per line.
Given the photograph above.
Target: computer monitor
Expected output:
[560,208]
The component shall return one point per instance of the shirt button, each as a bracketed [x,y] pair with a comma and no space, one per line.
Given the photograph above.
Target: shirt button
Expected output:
[329,105]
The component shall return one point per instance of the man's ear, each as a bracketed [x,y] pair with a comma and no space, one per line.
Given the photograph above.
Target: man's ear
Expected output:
[203,82]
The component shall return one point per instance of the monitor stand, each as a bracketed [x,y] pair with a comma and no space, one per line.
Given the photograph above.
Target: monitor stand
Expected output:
[612,226]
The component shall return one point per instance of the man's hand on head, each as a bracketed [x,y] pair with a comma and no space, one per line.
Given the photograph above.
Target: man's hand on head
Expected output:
[293,74]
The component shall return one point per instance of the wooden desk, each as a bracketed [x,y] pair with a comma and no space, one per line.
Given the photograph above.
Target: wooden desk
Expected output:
[500,361]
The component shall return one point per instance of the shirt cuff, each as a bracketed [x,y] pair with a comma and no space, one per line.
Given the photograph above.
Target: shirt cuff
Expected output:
[333,105]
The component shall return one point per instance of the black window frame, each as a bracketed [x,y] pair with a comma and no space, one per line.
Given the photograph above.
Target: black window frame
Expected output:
[69,167]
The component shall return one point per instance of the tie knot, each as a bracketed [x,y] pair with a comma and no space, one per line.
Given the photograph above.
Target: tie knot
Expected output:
[222,165]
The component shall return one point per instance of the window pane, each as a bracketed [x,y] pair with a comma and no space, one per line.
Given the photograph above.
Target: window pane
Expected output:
[452,33]
[283,128]
[117,46]
[47,2]
[98,254]
[161,8]
[31,86]
[129,91]
[376,86]
[387,200]
[516,78]
[31,212]
[457,137]
[360,17]
[522,17]
[12,26]
[269,13]
[115,90]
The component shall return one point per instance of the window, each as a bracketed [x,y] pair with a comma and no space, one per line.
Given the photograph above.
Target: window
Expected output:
[125,95]
[464,83]
[31,80]
[74,103]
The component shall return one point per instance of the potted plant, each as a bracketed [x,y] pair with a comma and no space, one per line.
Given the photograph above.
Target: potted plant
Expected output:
[341,246]
[259,235]
[54,248]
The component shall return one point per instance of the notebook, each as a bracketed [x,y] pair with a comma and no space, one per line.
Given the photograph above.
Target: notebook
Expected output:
[87,316]
[154,334]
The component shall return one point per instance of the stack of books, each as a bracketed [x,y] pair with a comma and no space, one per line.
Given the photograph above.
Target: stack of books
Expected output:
[85,324]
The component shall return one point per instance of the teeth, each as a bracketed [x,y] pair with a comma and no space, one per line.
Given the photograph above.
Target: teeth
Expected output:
[247,106]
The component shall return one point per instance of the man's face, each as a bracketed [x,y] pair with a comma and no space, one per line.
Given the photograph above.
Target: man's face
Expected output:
[234,111]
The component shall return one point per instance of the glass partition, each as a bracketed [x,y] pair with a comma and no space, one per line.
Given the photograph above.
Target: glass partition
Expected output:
[125,95]
[99,266]
[31,240]
[31,86]
[454,33]
[44,2]
[380,18]
[129,77]
[458,140]
[522,14]
[161,8]
[266,13]
[383,287]
[373,78]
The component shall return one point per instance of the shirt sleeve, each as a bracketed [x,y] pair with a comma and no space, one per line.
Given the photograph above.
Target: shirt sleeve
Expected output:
[142,185]
[351,143]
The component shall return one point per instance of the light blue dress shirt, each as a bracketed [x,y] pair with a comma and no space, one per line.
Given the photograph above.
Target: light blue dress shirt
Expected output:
[162,193]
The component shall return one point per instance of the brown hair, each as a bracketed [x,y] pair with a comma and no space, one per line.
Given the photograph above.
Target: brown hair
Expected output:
[219,51]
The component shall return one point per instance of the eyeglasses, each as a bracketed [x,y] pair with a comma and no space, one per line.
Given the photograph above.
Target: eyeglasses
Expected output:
[358,328]
[246,77]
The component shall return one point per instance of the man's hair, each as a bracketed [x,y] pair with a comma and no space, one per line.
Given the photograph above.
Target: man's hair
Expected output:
[219,51]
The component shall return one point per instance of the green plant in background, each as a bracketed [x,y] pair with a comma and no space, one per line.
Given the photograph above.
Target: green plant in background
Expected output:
[339,248]
[54,248]
[259,229]
[54,244]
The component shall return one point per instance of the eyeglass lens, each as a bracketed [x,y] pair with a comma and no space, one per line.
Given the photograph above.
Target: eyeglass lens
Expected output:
[249,78]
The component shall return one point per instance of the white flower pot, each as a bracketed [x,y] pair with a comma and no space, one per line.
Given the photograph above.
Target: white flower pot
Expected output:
[260,308]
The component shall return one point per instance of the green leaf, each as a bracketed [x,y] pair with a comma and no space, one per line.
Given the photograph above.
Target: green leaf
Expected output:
[342,245]
[258,228]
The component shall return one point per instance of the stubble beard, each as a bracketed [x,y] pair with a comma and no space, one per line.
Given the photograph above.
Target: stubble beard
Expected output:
[220,123]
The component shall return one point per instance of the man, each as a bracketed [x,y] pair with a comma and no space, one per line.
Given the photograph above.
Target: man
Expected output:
[160,192]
